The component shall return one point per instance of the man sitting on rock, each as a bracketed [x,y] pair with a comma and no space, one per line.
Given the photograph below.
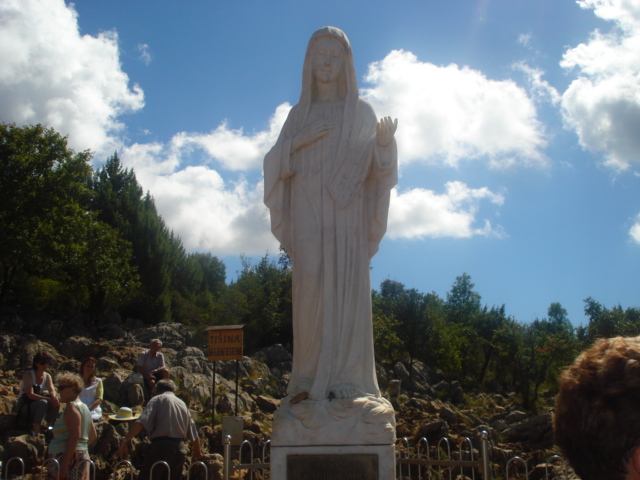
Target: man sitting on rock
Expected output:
[151,364]
[168,423]
[597,417]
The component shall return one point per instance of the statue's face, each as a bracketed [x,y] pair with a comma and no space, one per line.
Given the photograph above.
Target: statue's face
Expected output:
[328,60]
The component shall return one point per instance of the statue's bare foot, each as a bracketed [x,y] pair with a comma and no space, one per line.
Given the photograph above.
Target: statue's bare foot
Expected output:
[298,386]
[299,397]
[346,391]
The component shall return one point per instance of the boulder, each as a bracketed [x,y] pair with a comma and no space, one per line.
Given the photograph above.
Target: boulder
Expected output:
[108,440]
[225,403]
[382,376]
[515,417]
[8,403]
[536,432]
[82,347]
[198,386]
[433,431]
[135,394]
[266,404]
[394,388]
[190,352]
[456,394]
[22,360]
[401,373]
[106,364]
[195,364]
[115,389]
[29,449]
[173,335]
[8,346]
[275,356]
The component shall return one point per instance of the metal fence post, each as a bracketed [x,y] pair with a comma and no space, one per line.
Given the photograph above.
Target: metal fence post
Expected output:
[426,442]
[468,441]
[159,462]
[198,463]
[246,442]
[44,469]
[92,468]
[123,462]
[226,467]
[517,459]
[484,453]
[550,460]
[6,468]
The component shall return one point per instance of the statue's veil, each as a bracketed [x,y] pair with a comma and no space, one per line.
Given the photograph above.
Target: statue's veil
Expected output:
[354,149]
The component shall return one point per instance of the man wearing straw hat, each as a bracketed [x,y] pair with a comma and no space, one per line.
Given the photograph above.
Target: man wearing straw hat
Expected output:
[168,423]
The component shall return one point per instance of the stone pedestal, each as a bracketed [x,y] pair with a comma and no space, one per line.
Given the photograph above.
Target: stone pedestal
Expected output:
[329,462]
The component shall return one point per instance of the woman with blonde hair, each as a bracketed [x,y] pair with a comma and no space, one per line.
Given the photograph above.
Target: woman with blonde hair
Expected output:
[92,391]
[72,433]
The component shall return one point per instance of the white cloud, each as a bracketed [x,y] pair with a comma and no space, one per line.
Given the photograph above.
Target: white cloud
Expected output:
[208,212]
[448,114]
[235,150]
[634,231]
[52,75]
[145,55]
[603,104]
[421,213]
[539,88]
[524,39]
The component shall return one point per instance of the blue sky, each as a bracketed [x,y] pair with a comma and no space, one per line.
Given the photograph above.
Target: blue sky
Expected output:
[518,137]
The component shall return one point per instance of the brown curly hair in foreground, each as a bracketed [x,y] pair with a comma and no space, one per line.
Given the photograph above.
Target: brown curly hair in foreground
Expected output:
[597,416]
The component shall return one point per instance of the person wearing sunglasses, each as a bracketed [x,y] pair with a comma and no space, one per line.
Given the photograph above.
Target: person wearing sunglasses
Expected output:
[73,432]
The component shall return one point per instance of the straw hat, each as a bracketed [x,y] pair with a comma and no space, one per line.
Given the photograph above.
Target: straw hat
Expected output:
[124,414]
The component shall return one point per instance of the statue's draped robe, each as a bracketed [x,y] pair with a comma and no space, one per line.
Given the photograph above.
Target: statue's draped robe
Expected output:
[329,204]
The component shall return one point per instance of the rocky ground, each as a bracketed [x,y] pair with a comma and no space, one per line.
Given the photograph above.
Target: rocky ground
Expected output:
[427,406]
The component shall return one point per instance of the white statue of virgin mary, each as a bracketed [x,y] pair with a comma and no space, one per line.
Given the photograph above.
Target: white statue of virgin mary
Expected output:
[327,185]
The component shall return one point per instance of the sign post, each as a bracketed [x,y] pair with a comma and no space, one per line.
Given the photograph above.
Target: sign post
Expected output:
[225,342]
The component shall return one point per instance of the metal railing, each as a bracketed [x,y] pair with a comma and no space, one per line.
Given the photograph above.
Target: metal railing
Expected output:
[425,464]
[419,462]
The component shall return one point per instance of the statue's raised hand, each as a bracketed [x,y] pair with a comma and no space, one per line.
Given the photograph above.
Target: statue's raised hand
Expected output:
[310,135]
[385,130]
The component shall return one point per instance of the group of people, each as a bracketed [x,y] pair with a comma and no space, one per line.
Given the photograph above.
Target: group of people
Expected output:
[596,421]
[166,418]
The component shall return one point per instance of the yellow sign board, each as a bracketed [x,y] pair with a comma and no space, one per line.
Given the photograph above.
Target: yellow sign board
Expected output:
[225,342]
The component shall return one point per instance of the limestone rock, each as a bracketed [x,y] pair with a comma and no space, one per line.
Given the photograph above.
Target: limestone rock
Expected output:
[433,431]
[536,432]
[225,404]
[82,347]
[29,449]
[266,404]
[135,394]
[173,335]
[394,388]
[191,352]
[275,356]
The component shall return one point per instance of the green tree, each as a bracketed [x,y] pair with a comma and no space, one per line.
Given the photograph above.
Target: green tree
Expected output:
[43,191]
[157,252]
[387,345]
[96,265]
[463,309]
[548,346]
[261,300]
[463,303]
[409,310]
[607,323]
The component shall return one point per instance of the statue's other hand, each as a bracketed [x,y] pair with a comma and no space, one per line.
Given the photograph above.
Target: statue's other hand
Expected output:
[385,130]
[310,135]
